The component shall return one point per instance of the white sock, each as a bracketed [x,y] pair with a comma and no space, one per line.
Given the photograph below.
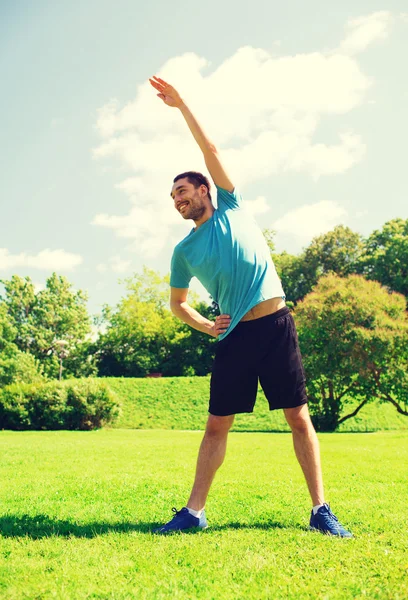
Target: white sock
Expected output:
[195,513]
[315,508]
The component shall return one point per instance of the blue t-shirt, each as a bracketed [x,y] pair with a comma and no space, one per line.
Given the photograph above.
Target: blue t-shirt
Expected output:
[230,257]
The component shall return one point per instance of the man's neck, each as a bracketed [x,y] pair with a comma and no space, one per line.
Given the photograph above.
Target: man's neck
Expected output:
[206,216]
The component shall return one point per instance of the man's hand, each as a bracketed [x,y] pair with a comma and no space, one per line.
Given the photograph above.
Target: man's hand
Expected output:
[221,324]
[167,93]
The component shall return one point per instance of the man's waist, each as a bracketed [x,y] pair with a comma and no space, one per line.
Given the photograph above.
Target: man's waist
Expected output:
[267,307]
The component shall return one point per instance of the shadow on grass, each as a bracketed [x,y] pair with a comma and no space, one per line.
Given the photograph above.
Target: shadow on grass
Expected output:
[41,526]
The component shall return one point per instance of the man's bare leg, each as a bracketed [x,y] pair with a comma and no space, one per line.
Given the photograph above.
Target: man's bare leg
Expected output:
[307,450]
[210,458]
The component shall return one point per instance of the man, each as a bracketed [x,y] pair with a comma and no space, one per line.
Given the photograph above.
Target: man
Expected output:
[227,252]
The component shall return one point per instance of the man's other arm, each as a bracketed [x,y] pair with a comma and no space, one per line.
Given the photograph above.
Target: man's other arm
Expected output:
[182,310]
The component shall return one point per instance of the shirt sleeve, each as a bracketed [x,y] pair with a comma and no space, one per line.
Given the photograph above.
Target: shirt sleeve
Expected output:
[227,199]
[180,275]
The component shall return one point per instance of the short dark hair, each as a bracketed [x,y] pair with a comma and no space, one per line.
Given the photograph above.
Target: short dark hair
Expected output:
[196,179]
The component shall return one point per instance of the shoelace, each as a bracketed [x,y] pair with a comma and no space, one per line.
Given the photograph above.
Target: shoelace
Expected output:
[333,520]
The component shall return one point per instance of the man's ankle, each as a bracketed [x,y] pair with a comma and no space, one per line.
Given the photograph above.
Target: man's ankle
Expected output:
[195,513]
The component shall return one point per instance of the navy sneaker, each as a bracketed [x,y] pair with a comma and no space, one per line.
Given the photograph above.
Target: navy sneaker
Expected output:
[326,522]
[183,520]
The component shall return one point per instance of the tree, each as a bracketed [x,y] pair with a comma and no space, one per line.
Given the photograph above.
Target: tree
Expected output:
[354,339]
[143,336]
[193,351]
[338,251]
[386,256]
[15,366]
[19,301]
[290,270]
[45,321]
[288,267]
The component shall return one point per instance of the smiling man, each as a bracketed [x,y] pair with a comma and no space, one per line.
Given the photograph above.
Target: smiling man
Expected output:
[257,339]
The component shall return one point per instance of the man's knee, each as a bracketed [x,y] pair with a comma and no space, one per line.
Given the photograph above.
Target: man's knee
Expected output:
[298,419]
[219,425]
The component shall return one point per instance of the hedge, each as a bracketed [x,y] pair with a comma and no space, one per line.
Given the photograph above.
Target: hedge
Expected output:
[76,404]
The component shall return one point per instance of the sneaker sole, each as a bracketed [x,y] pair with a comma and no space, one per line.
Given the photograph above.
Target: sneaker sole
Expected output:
[330,534]
[175,531]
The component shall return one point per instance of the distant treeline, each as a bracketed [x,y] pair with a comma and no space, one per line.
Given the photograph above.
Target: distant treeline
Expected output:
[349,299]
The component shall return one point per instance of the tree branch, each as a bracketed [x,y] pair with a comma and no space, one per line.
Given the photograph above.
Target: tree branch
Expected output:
[353,414]
[397,406]
[344,392]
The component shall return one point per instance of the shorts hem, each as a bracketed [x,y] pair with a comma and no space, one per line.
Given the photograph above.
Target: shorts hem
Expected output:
[229,414]
[282,407]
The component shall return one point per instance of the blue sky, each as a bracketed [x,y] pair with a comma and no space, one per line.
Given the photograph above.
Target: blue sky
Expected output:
[307,106]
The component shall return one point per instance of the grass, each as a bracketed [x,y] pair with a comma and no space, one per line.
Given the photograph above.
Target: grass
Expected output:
[78,509]
[182,403]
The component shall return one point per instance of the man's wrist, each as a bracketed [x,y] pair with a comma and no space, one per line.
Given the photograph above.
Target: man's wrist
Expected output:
[210,328]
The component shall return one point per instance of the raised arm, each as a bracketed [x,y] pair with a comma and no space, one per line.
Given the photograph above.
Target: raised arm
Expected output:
[172,98]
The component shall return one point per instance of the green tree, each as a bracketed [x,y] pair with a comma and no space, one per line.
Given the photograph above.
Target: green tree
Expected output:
[19,301]
[8,331]
[354,339]
[289,268]
[50,324]
[338,251]
[143,336]
[386,256]
[15,366]
[193,352]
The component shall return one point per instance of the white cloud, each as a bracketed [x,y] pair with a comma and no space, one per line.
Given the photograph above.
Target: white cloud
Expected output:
[361,213]
[265,127]
[366,30]
[52,260]
[115,264]
[310,220]
[258,206]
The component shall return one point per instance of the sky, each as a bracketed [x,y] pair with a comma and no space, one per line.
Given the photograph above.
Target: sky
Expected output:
[307,107]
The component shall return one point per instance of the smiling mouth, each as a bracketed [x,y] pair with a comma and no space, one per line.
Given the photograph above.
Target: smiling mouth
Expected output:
[183,206]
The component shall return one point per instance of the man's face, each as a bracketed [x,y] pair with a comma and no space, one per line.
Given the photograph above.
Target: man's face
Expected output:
[188,200]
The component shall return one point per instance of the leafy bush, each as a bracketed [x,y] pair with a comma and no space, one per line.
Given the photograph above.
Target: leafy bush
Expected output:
[75,404]
[91,404]
[19,367]
[14,413]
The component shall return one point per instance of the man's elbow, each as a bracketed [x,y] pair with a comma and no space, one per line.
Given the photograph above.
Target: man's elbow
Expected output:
[175,308]
[211,149]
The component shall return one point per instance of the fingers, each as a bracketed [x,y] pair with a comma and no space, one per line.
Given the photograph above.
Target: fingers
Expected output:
[223,318]
[158,83]
[157,86]
[222,322]
[161,81]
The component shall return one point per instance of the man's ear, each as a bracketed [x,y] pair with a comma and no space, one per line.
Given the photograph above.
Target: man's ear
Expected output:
[204,189]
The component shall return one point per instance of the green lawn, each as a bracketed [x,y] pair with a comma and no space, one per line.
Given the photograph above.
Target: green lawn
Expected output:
[77,510]
[182,403]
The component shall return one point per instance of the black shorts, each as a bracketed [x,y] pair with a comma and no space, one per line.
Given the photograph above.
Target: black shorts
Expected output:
[265,349]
